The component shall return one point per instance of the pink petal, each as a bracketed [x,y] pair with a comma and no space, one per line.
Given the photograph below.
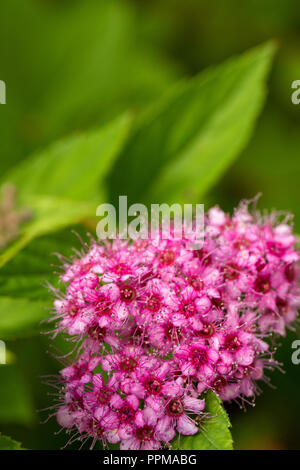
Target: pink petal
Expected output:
[150,417]
[130,444]
[185,426]
[194,404]
[245,356]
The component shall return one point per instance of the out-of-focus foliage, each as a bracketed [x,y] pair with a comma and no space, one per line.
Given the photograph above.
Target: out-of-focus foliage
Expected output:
[24,297]
[71,66]
[17,405]
[182,146]
[6,443]
[61,185]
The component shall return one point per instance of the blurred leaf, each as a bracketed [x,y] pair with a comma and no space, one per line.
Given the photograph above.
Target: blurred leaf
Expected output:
[50,215]
[15,400]
[26,274]
[214,432]
[6,443]
[82,63]
[263,169]
[19,317]
[24,299]
[71,168]
[180,147]
[10,357]
[61,184]
[117,68]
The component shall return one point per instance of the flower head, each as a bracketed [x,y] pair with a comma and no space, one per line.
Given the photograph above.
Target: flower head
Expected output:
[158,325]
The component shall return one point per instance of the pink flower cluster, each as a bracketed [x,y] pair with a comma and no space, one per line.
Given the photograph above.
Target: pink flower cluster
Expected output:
[158,325]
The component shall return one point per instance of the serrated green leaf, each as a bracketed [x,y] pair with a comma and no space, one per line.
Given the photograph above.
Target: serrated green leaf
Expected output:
[180,147]
[214,433]
[7,443]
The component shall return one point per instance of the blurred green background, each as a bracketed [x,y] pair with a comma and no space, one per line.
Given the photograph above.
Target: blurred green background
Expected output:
[73,64]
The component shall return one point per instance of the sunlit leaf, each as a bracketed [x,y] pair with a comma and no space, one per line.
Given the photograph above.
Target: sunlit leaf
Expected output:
[183,145]
[62,185]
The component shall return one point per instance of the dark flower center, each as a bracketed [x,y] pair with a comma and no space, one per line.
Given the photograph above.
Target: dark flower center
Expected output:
[153,303]
[204,257]
[232,342]
[167,257]
[103,306]
[290,272]
[275,248]
[247,371]
[73,310]
[153,385]
[145,433]
[85,268]
[128,293]
[128,364]
[175,407]
[262,284]
[121,268]
[173,333]
[217,302]
[97,429]
[188,309]
[126,414]
[282,305]
[231,272]
[199,356]
[241,244]
[103,395]
[97,333]
[219,384]
[76,404]
[196,283]
[207,330]
[260,265]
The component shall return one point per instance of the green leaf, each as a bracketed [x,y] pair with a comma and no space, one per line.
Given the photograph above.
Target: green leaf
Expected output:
[117,70]
[214,431]
[62,185]
[26,274]
[24,299]
[20,317]
[183,144]
[6,443]
[50,215]
[16,406]
[72,168]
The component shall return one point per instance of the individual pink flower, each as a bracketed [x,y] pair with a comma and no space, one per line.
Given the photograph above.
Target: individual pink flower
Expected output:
[143,434]
[197,359]
[176,414]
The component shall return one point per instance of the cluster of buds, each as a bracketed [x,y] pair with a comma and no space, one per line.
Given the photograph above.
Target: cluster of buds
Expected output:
[158,325]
